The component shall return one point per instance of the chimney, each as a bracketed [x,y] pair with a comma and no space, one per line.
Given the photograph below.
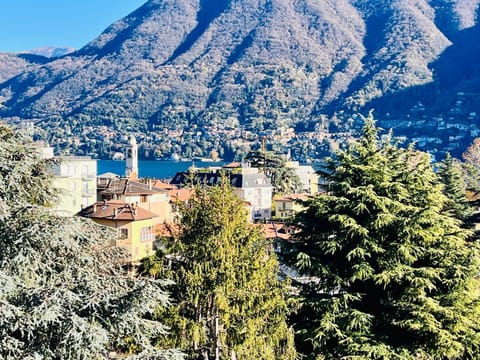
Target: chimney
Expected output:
[115,212]
[149,184]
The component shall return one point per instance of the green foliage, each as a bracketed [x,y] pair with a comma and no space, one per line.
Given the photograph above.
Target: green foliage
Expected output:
[228,298]
[455,190]
[383,271]
[63,294]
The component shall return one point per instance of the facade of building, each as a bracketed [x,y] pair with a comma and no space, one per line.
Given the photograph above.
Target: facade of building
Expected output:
[75,177]
[143,195]
[307,175]
[287,206]
[134,226]
[252,186]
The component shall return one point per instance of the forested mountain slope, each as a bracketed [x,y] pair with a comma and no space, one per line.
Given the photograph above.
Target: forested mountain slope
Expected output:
[254,62]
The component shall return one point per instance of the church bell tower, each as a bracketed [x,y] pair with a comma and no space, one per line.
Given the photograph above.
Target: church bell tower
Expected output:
[131,158]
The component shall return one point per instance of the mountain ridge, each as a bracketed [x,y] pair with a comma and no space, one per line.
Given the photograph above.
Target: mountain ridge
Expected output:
[260,64]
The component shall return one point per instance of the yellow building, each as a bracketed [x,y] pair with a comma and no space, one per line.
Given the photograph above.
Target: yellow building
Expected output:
[142,195]
[287,206]
[134,225]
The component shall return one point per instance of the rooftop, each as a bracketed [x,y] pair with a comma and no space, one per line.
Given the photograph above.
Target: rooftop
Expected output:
[214,178]
[116,210]
[125,186]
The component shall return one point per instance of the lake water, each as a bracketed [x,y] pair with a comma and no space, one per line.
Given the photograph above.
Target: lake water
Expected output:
[159,169]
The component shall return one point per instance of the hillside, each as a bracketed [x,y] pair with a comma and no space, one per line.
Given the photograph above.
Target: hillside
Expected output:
[51,51]
[256,63]
[12,65]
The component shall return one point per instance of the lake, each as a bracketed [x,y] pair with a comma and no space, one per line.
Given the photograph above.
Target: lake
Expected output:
[159,169]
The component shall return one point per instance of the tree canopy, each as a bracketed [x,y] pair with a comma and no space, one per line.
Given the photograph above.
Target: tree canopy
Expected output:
[382,271]
[63,293]
[455,189]
[229,301]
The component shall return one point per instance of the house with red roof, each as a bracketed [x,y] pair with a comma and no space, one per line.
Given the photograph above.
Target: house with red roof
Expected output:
[133,224]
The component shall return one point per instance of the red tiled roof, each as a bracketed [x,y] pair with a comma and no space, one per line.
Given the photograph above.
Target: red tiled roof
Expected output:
[162,185]
[166,230]
[232,165]
[180,195]
[116,210]
[278,231]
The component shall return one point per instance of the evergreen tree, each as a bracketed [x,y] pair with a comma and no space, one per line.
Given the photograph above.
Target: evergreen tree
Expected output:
[454,188]
[62,293]
[382,271]
[230,302]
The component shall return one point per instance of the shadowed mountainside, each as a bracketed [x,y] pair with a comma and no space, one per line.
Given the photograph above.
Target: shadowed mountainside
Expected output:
[260,63]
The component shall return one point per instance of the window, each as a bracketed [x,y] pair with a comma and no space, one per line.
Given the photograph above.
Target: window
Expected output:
[85,171]
[123,233]
[146,234]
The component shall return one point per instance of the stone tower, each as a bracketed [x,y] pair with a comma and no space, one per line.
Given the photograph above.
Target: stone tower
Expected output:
[131,158]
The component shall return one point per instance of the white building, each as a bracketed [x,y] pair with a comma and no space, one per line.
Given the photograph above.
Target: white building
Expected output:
[252,187]
[76,179]
[131,158]
[307,175]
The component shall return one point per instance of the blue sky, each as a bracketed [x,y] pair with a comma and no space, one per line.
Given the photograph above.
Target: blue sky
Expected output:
[29,24]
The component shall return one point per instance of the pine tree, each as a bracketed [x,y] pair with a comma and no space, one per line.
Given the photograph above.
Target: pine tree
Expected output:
[382,271]
[455,190]
[62,293]
[230,302]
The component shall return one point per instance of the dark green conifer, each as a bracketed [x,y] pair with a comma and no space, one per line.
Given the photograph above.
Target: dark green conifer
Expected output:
[381,270]
[455,190]
[283,178]
[230,302]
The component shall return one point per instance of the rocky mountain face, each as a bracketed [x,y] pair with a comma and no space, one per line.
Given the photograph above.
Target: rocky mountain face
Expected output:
[256,63]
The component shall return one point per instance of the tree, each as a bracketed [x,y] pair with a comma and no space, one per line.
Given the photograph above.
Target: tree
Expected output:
[383,272]
[230,303]
[284,179]
[63,294]
[455,190]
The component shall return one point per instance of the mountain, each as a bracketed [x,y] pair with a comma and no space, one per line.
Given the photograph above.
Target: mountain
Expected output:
[256,63]
[12,65]
[51,51]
